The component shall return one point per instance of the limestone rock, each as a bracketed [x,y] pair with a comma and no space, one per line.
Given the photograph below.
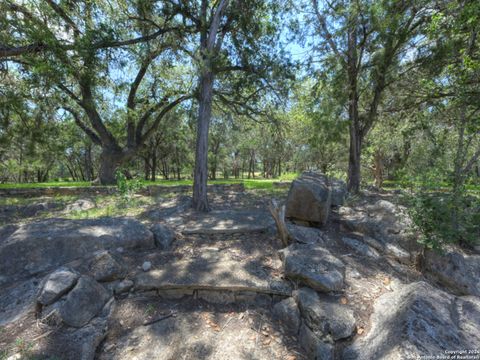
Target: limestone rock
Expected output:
[146,266]
[418,320]
[164,236]
[105,267]
[287,312]
[388,224]
[360,247]
[47,244]
[307,235]
[56,285]
[339,191]
[309,198]
[83,302]
[328,319]
[313,266]
[123,286]
[457,270]
[314,347]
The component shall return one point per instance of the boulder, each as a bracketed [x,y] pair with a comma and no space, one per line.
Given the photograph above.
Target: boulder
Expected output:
[84,302]
[328,319]
[313,266]
[418,320]
[104,267]
[286,311]
[455,269]
[339,191]
[56,285]
[309,198]
[314,347]
[163,235]
[47,244]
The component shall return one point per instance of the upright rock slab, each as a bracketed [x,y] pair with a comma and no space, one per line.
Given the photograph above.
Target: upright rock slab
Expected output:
[418,320]
[313,266]
[309,198]
[83,302]
[57,284]
[47,244]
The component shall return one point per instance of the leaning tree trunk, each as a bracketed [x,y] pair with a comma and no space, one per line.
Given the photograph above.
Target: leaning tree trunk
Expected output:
[200,175]
[110,160]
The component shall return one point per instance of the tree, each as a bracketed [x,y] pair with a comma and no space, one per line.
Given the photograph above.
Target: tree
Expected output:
[230,37]
[81,50]
[362,45]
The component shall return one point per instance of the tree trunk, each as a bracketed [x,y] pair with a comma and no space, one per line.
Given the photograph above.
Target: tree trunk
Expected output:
[378,169]
[110,160]
[354,174]
[200,200]
[154,165]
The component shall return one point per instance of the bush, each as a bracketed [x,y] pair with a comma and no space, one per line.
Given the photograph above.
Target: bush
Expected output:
[442,219]
[126,188]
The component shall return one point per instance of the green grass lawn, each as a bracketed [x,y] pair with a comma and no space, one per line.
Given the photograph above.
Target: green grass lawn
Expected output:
[248,183]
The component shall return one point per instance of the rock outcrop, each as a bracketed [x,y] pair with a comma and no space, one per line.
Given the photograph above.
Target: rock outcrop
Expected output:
[418,320]
[44,245]
[455,269]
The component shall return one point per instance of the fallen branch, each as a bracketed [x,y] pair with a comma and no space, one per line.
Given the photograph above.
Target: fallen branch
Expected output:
[160,318]
[278,214]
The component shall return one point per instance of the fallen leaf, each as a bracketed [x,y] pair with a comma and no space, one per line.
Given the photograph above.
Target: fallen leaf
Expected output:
[343,301]
[267,341]
[360,330]
[386,281]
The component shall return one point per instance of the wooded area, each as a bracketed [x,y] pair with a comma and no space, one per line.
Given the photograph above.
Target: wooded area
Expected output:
[365,91]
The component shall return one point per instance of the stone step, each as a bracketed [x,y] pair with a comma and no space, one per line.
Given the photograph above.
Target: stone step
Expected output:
[228,222]
[212,271]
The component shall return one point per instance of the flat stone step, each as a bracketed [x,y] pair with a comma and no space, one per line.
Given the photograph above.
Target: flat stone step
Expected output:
[228,222]
[212,271]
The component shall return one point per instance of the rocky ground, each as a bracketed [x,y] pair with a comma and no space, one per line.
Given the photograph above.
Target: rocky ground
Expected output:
[168,283]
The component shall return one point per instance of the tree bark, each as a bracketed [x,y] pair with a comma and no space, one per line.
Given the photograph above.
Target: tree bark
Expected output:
[110,160]
[200,200]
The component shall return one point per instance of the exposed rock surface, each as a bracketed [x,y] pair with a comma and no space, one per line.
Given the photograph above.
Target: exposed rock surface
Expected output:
[56,285]
[123,286]
[309,198]
[228,222]
[328,319]
[80,205]
[211,271]
[385,222]
[418,320]
[456,270]
[104,267]
[313,266]
[164,236]
[315,348]
[307,235]
[84,302]
[47,244]
[360,247]
[287,312]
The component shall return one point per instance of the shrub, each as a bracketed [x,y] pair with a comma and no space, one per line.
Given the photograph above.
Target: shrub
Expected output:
[441,218]
[126,188]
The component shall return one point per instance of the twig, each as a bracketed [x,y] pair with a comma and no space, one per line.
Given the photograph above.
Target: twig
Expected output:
[160,318]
